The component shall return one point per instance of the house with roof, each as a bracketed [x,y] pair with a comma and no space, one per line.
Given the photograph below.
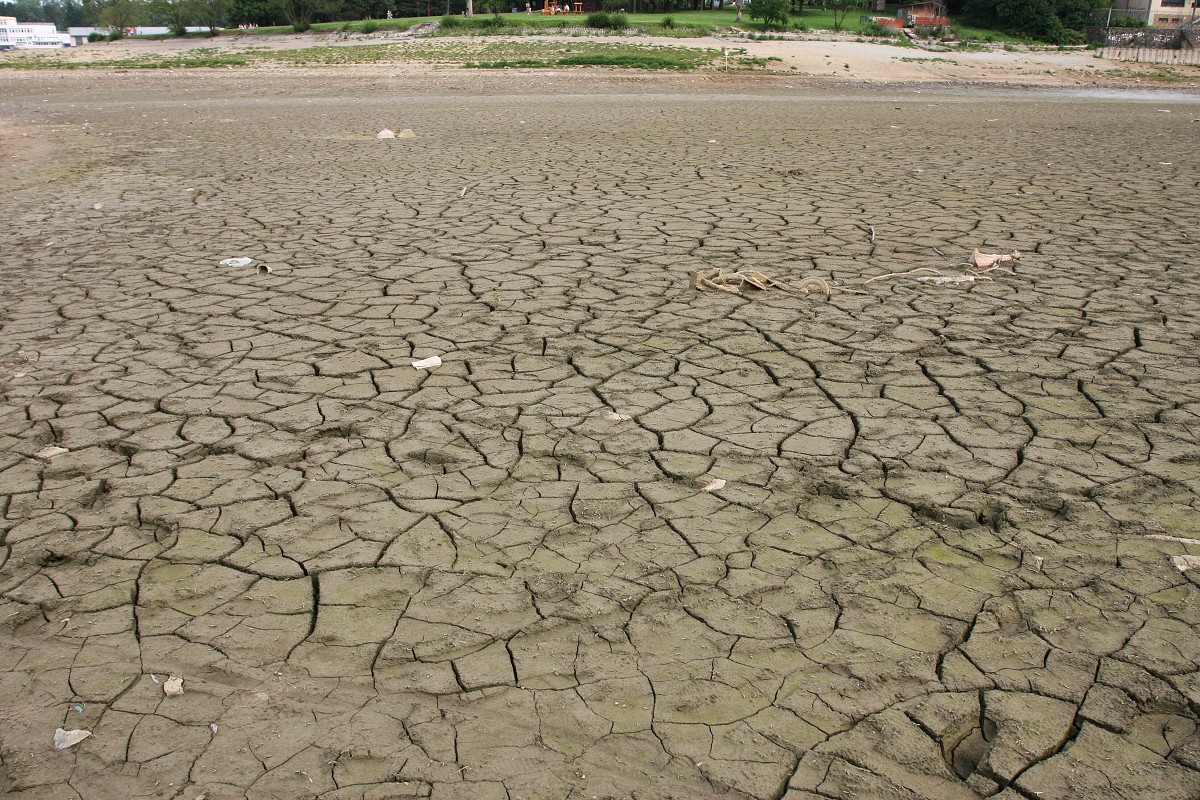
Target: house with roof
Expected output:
[928,13]
[1162,13]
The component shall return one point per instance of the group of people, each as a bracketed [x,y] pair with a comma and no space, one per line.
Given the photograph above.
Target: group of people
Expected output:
[555,8]
[245,26]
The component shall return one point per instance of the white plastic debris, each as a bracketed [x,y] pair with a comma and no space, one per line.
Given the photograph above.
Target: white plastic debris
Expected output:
[713,486]
[985,260]
[49,452]
[613,416]
[407,133]
[1037,562]
[428,363]
[212,726]
[97,206]
[64,739]
[154,678]
[386,133]
[264,269]
[173,686]
[237,262]
[1184,563]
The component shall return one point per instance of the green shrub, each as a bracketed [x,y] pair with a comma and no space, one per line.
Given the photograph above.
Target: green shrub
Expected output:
[607,21]
[450,22]
[95,36]
[633,61]
[116,33]
[668,22]
[369,26]
[873,28]
[1127,21]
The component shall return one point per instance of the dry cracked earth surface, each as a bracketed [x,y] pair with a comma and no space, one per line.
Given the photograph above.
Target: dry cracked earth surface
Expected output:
[949,557]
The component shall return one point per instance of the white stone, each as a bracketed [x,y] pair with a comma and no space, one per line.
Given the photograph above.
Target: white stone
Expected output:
[64,739]
[1184,563]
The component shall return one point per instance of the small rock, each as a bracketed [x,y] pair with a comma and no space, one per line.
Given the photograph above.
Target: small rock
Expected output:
[407,133]
[64,739]
[613,416]
[1184,563]
[173,686]
[49,452]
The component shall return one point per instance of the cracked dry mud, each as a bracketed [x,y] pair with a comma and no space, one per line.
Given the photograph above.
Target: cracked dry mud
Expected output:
[931,572]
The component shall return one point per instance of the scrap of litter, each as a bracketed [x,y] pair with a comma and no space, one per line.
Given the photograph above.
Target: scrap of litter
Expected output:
[978,268]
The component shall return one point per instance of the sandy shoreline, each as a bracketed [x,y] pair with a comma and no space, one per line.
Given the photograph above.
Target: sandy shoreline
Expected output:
[832,59]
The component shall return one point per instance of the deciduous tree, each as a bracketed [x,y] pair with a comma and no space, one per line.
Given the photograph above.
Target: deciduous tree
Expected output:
[300,13]
[771,11]
[841,8]
[122,15]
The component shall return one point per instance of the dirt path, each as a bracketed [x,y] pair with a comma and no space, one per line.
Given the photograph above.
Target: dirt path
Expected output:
[628,539]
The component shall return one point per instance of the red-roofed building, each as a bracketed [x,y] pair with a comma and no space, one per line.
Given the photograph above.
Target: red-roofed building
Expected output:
[930,13]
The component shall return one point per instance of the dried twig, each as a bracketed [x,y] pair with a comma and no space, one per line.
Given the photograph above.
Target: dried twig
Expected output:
[901,274]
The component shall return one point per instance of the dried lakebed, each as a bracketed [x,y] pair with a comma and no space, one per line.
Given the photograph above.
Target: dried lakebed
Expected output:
[627,539]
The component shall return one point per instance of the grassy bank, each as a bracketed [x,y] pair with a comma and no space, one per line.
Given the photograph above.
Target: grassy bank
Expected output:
[478,53]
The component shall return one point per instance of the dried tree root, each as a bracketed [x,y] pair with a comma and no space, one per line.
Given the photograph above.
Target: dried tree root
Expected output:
[901,274]
[735,282]
[815,285]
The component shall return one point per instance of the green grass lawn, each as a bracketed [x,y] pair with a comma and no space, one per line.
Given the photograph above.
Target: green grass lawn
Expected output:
[686,23]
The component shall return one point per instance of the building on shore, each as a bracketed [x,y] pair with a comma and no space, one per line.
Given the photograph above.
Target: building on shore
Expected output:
[28,35]
[1162,13]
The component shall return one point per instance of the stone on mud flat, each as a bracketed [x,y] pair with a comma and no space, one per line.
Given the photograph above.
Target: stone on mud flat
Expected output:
[64,739]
